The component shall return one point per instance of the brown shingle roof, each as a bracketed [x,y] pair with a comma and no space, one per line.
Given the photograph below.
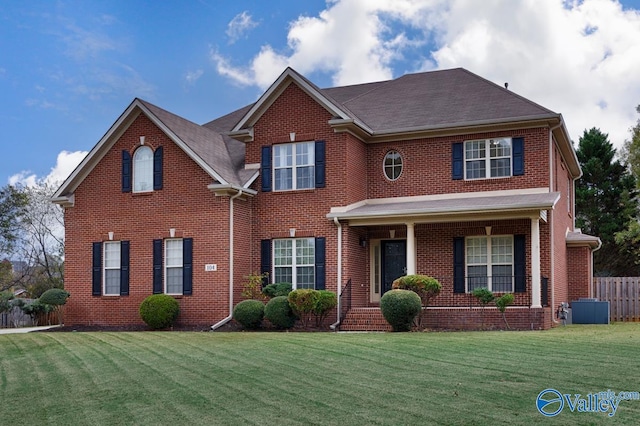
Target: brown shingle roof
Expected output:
[446,98]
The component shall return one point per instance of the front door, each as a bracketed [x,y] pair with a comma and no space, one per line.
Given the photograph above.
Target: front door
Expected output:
[394,262]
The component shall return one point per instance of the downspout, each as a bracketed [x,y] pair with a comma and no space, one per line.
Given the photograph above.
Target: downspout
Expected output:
[552,233]
[228,318]
[335,325]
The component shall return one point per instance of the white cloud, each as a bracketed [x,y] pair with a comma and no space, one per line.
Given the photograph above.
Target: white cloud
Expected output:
[66,162]
[191,77]
[239,26]
[579,58]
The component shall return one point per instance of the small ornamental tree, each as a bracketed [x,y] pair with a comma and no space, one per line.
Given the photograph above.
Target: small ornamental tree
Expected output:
[159,311]
[252,287]
[423,285]
[302,303]
[325,301]
[484,296]
[502,302]
[55,297]
[399,308]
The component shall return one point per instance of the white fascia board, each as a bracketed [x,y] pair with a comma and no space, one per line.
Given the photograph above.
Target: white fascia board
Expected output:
[97,152]
[277,88]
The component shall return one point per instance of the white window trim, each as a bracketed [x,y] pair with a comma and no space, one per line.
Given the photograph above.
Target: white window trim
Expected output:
[166,265]
[136,171]
[294,265]
[489,264]
[294,166]
[393,166]
[487,158]
[105,268]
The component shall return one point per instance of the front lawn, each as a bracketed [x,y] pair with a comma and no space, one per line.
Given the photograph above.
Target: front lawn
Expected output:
[179,378]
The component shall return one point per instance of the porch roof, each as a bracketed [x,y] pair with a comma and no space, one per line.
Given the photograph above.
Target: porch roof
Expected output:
[507,204]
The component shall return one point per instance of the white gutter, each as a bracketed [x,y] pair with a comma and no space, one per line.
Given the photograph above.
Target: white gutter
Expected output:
[335,325]
[551,233]
[228,318]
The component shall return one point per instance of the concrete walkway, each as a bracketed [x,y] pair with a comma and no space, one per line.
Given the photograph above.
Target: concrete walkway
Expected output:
[25,329]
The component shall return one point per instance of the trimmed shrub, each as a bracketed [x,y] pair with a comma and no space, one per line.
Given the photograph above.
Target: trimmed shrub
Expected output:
[302,303]
[279,312]
[484,296]
[399,308]
[277,289]
[249,313]
[325,301]
[159,311]
[54,296]
[425,286]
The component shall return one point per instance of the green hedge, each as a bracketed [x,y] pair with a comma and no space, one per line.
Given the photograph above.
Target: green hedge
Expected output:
[399,308]
[279,312]
[249,313]
[277,289]
[159,311]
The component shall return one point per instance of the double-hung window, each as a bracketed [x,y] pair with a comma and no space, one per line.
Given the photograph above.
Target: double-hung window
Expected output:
[111,268]
[487,158]
[294,262]
[293,166]
[173,266]
[489,263]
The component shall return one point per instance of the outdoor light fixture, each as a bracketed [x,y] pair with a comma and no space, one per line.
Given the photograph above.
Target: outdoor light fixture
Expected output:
[363,242]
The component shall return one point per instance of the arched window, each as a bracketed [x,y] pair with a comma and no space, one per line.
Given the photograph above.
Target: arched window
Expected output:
[143,169]
[392,165]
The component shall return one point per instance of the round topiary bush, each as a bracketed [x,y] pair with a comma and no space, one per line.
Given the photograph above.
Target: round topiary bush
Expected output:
[159,311]
[279,313]
[399,308]
[249,313]
[54,296]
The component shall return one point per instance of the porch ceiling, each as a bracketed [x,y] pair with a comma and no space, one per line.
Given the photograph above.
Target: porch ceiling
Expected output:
[452,207]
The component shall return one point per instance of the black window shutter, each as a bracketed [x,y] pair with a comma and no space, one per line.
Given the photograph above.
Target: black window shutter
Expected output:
[96,281]
[457,161]
[265,168]
[519,263]
[265,260]
[320,161]
[157,169]
[124,268]
[518,156]
[187,266]
[458,265]
[126,171]
[320,263]
[157,266]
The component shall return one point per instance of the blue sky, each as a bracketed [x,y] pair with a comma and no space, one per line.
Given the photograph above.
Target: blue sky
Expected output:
[68,69]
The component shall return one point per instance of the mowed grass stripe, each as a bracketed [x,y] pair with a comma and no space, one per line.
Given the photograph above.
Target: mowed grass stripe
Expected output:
[313,378]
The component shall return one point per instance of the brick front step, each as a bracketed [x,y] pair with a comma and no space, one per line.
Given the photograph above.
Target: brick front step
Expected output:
[364,319]
[519,318]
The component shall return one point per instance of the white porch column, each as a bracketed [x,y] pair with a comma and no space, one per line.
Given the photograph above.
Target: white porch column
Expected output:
[535,263]
[411,249]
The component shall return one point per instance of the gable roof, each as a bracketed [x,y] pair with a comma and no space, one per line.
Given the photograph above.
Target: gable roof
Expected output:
[218,155]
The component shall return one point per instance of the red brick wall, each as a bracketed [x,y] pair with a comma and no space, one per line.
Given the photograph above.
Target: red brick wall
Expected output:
[580,278]
[184,203]
[427,166]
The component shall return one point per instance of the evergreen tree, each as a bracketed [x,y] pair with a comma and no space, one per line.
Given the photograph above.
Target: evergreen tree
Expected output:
[606,203]
[631,150]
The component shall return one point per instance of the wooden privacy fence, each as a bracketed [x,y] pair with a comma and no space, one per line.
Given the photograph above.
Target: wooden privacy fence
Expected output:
[623,295]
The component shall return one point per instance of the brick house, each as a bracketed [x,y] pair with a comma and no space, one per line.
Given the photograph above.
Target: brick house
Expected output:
[440,173]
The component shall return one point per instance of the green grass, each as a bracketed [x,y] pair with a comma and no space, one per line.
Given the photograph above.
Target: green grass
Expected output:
[176,378]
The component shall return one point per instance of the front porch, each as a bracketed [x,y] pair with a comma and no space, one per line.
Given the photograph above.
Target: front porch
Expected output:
[467,317]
